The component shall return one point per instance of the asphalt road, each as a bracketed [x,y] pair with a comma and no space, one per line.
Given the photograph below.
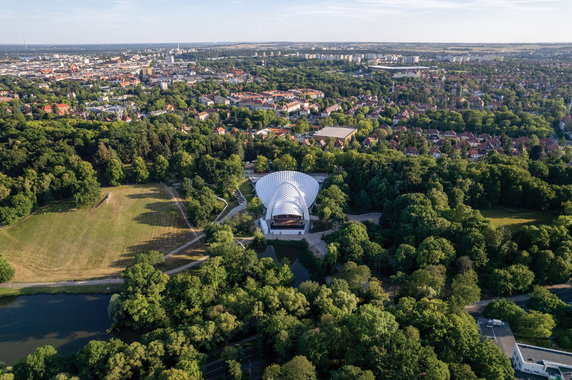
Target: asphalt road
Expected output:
[563,291]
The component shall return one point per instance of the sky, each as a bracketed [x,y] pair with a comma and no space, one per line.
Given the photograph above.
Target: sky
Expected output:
[166,21]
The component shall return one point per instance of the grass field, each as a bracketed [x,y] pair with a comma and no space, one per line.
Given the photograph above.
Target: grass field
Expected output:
[247,189]
[60,243]
[512,218]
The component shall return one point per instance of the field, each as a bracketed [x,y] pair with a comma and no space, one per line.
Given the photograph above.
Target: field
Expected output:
[60,243]
[512,218]
[247,189]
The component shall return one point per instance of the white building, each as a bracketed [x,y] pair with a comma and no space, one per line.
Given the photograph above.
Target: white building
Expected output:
[206,101]
[221,100]
[287,196]
[540,361]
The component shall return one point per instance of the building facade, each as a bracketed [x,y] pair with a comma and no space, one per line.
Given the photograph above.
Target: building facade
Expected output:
[287,196]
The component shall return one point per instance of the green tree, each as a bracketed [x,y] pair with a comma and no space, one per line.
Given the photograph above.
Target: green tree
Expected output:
[504,310]
[309,163]
[43,363]
[6,270]
[139,171]
[182,163]
[152,257]
[433,251]
[465,289]
[285,162]
[357,276]
[255,206]
[428,282]
[513,279]
[114,174]
[535,324]
[86,192]
[234,370]
[258,242]
[350,372]
[543,300]
[161,168]
[298,368]
[261,165]
[141,297]
[490,362]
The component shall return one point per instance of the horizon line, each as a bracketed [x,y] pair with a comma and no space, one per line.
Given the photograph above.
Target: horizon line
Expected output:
[287,42]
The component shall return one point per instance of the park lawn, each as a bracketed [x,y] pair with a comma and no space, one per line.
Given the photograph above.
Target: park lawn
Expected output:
[186,256]
[61,243]
[247,189]
[514,218]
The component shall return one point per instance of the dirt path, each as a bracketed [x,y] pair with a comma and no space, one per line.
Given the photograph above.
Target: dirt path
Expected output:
[179,205]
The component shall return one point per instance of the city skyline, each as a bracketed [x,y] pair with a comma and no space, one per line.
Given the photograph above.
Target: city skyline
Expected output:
[167,21]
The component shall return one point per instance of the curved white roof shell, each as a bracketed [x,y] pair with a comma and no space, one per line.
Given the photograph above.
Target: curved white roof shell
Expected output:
[295,184]
[287,200]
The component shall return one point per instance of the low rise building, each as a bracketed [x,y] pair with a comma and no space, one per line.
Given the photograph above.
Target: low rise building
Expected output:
[540,361]
[340,134]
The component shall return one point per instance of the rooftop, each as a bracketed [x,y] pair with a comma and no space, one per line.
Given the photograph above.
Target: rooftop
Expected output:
[335,132]
[538,355]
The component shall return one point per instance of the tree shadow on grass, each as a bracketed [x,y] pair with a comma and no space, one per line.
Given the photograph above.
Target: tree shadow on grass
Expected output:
[57,207]
[151,193]
[164,243]
[153,217]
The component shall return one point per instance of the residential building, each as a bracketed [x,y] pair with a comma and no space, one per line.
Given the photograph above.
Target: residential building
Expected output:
[206,101]
[221,100]
[328,111]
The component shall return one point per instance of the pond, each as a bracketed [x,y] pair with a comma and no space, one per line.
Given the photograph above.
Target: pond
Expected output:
[65,321]
[279,253]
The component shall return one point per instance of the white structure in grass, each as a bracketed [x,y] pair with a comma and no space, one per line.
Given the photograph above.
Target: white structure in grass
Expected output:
[287,196]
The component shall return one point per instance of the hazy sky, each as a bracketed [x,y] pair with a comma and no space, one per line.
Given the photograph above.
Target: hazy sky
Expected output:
[117,21]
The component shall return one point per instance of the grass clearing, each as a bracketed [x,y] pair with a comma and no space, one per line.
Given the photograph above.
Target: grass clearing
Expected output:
[514,218]
[186,256]
[247,189]
[60,243]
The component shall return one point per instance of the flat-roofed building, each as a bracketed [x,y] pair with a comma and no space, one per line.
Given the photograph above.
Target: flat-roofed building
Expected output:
[540,361]
[340,134]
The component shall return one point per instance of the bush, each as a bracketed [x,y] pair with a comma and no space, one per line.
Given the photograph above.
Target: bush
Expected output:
[6,270]
[153,257]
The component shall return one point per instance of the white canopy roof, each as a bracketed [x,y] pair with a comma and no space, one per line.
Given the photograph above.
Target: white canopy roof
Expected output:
[268,185]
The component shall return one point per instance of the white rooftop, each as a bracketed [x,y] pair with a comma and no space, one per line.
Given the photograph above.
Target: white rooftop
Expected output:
[335,132]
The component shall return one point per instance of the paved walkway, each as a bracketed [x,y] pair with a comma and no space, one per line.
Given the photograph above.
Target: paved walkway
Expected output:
[242,202]
[184,246]
[180,269]
[314,240]
[105,281]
